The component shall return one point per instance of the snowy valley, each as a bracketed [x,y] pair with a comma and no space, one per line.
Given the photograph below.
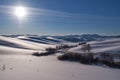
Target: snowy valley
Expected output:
[18,63]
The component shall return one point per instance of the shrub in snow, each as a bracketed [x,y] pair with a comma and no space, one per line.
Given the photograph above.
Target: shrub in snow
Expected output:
[36,54]
[49,51]
[83,58]
[108,59]
[88,58]
[64,46]
[66,56]
[63,57]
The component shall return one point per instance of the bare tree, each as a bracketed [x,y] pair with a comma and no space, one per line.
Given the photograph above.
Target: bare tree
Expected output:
[86,48]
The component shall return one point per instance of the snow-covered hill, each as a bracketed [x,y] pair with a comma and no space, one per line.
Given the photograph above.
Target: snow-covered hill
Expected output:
[8,44]
[43,39]
[28,67]
[109,46]
[33,42]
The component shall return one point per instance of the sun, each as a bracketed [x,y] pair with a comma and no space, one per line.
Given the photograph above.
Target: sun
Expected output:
[20,12]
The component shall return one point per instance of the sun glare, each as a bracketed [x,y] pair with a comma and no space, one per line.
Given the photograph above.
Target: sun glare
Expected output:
[20,12]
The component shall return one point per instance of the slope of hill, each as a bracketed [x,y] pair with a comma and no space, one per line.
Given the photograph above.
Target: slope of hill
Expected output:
[27,67]
[109,46]
[43,39]
[13,44]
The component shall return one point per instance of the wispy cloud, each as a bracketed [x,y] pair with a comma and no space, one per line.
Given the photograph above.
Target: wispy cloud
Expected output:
[62,17]
[34,11]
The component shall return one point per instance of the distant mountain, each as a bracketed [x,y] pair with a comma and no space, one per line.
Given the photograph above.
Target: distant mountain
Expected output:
[85,37]
[65,38]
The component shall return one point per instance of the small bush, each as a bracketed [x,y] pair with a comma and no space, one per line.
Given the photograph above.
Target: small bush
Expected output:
[65,46]
[83,58]
[36,54]
[89,59]
[49,51]
[62,57]
[70,56]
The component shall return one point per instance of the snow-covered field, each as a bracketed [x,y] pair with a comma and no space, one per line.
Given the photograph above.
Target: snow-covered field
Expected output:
[28,67]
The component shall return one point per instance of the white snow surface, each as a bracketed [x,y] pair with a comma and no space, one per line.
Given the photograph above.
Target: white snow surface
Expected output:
[28,67]
[110,46]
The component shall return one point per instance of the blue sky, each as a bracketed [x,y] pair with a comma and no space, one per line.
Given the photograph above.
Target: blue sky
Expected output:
[60,17]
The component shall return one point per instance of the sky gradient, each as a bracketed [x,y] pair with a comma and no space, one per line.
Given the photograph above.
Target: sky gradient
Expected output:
[60,17]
